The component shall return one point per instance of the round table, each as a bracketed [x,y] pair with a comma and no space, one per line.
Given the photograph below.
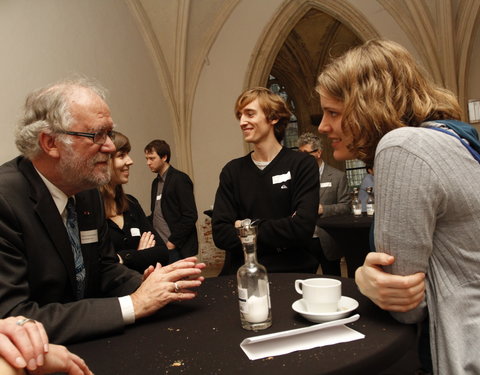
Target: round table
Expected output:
[203,336]
[352,233]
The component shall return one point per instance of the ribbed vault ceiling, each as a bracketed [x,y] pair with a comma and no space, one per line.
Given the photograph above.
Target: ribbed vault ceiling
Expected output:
[315,39]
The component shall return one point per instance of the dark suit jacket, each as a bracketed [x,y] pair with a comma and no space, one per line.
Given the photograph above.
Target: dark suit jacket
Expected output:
[179,210]
[335,198]
[38,279]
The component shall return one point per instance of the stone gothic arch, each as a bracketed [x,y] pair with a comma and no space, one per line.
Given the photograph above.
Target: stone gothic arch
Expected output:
[281,53]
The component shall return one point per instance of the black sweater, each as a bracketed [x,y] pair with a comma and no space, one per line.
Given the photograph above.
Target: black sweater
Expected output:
[283,197]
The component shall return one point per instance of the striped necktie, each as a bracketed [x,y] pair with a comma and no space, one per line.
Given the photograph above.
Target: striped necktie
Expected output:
[72,230]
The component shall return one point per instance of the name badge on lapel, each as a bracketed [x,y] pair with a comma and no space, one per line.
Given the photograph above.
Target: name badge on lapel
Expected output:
[88,236]
[135,232]
[278,179]
[326,184]
[159,196]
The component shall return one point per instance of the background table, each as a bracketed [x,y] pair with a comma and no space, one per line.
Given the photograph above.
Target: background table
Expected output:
[203,336]
[352,235]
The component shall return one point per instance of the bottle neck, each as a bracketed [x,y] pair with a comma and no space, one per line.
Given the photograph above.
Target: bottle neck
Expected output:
[250,253]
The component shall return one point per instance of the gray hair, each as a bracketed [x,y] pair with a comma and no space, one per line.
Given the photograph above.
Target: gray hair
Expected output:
[47,110]
[310,139]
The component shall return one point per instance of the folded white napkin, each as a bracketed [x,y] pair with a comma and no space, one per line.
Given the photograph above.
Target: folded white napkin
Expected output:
[279,343]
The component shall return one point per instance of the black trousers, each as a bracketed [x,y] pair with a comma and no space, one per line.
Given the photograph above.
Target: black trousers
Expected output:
[329,267]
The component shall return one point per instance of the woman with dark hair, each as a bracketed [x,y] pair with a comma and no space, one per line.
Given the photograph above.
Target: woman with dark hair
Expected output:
[133,237]
[379,106]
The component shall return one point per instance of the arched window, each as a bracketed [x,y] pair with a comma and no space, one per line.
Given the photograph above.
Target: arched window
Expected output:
[291,132]
[355,170]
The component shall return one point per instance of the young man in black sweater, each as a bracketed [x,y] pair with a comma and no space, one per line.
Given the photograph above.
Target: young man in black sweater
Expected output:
[272,184]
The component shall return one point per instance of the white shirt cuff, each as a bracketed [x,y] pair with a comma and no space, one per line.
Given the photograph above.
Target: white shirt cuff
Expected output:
[128,312]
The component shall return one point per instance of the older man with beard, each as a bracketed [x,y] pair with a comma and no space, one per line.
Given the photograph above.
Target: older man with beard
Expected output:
[58,265]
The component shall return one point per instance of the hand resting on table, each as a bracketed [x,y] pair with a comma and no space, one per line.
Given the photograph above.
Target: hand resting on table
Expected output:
[162,285]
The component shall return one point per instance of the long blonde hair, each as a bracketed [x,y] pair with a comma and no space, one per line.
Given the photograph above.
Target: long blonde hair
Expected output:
[383,88]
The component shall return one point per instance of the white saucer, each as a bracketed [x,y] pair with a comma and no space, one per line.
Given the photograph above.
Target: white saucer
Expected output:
[345,306]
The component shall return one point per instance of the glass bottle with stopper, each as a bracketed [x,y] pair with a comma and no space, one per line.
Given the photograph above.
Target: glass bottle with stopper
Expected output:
[370,202]
[253,289]
[356,204]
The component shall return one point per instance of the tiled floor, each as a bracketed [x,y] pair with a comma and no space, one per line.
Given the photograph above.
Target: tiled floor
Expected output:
[212,270]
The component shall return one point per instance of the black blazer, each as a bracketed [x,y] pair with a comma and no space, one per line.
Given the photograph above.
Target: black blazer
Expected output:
[38,278]
[179,210]
[125,244]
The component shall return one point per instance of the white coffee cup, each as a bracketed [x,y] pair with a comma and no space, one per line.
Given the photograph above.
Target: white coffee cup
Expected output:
[321,295]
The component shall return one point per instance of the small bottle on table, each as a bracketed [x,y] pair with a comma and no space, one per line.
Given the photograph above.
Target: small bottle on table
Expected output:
[253,289]
[370,202]
[356,204]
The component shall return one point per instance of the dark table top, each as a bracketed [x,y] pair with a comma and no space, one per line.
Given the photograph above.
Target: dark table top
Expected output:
[345,221]
[203,336]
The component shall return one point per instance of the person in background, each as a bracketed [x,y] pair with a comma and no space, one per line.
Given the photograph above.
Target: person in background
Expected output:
[136,242]
[174,213]
[273,185]
[24,348]
[58,264]
[367,182]
[380,107]
[334,200]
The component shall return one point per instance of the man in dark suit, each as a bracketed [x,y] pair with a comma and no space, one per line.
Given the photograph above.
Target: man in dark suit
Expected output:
[334,200]
[174,213]
[58,265]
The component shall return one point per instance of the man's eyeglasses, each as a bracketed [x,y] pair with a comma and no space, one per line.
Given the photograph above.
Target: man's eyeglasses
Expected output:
[310,152]
[99,138]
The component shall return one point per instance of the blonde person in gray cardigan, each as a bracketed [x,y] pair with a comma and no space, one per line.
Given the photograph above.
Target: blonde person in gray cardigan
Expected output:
[378,107]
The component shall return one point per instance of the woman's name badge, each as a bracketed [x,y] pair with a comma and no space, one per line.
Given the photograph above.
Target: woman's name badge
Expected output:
[135,232]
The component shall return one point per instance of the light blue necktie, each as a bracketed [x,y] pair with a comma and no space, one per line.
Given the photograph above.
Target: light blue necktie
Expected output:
[72,230]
